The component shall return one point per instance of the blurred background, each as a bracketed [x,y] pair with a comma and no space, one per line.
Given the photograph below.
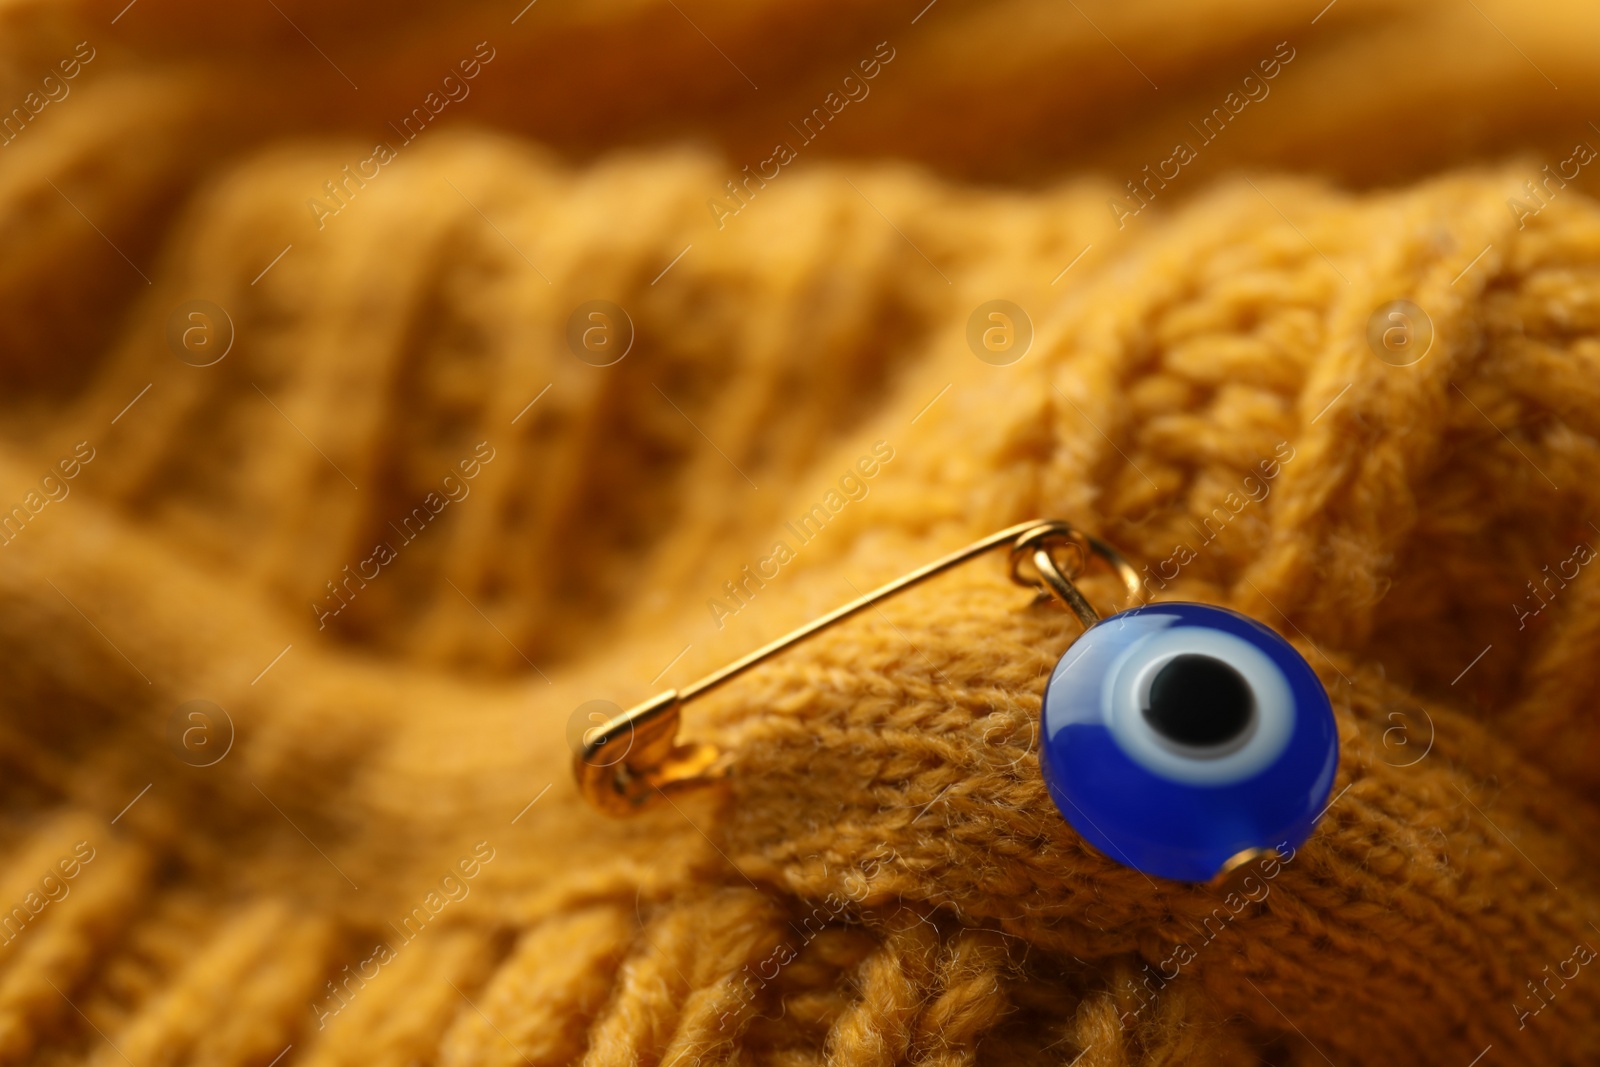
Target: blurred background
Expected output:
[380,383]
[218,154]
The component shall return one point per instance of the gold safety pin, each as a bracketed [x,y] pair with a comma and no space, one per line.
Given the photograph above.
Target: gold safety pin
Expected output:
[634,759]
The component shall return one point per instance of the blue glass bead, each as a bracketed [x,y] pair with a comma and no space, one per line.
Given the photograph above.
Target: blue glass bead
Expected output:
[1176,736]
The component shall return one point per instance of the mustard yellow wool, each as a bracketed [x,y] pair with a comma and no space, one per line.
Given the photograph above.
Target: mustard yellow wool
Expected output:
[399,532]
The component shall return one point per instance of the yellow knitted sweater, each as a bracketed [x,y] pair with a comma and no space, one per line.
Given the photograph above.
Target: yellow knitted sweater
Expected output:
[318,530]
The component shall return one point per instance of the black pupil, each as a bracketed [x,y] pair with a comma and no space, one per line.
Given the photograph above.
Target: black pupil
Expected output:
[1199,701]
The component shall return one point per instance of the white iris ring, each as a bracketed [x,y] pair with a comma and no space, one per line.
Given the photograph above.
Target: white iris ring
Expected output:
[1128,684]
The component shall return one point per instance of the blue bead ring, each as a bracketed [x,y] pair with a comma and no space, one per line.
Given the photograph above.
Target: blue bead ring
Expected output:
[1176,737]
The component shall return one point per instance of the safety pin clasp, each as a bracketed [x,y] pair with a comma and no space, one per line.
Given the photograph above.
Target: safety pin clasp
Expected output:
[629,762]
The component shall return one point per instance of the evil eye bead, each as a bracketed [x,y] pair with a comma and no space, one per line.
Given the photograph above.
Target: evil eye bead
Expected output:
[1177,736]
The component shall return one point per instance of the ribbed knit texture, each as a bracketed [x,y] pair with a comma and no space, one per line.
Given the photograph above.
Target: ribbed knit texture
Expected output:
[390,865]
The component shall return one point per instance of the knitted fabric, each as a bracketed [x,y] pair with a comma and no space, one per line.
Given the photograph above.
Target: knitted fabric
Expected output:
[388,862]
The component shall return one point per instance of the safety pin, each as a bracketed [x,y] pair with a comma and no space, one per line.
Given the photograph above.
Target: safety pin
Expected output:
[635,759]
